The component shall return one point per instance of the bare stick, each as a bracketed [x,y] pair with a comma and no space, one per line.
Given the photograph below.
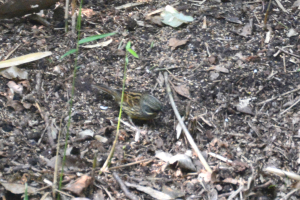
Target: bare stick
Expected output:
[130,164]
[298,100]
[124,188]
[187,134]
[268,100]
[292,54]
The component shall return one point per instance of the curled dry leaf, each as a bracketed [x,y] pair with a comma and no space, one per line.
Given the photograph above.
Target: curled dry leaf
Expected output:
[173,43]
[173,192]
[174,18]
[246,30]
[16,188]
[183,161]
[16,105]
[79,185]
[15,87]
[148,190]
[88,12]
[244,107]
[218,68]
[183,90]
[13,73]
[156,20]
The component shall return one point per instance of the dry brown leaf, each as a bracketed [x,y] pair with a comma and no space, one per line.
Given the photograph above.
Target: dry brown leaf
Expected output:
[26,84]
[88,12]
[246,30]
[156,20]
[14,72]
[79,185]
[183,90]
[17,105]
[212,59]
[218,68]
[230,180]
[173,43]
[15,87]
[16,188]
[26,105]
[24,59]
[205,175]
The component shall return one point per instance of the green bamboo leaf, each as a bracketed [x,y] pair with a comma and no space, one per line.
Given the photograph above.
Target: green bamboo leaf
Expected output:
[133,53]
[94,37]
[128,45]
[69,53]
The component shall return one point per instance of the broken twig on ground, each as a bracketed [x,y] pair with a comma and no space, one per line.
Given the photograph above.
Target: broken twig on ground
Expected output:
[187,134]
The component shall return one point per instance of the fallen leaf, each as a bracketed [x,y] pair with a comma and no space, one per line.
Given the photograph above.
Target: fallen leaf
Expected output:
[79,185]
[183,161]
[26,84]
[246,30]
[233,20]
[156,20]
[15,87]
[153,193]
[26,105]
[212,59]
[218,68]
[173,42]
[13,73]
[173,192]
[16,105]
[292,32]
[183,90]
[16,188]
[244,107]
[24,59]
[173,18]
[87,132]
[87,12]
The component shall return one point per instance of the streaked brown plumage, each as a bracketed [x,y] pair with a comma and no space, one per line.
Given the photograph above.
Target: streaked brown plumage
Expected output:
[136,105]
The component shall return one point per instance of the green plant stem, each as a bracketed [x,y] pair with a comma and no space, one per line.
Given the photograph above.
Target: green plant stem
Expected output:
[108,160]
[71,99]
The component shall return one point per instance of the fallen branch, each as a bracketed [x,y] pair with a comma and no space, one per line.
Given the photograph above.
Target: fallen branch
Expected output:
[187,134]
[127,193]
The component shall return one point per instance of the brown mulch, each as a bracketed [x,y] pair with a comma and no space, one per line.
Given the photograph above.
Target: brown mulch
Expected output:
[241,96]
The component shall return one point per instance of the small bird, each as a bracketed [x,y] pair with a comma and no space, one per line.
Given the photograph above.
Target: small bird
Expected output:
[136,105]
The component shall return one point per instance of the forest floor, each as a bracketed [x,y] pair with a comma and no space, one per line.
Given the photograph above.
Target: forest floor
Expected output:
[235,81]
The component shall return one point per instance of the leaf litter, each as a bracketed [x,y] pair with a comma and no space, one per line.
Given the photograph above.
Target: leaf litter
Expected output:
[243,77]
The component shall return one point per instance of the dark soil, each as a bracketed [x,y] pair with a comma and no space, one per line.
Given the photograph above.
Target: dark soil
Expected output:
[221,69]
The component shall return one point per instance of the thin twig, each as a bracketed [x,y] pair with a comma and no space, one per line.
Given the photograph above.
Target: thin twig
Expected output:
[187,134]
[268,100]
[127,193]
[6,57]
[298,100]
[292,54]
[130,164]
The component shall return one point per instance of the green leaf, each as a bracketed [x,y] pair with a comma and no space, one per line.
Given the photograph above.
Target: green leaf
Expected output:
[152,45]
[133,53]
[298,70]
[68,53]
[25,194]
[94,37]
[128,45]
